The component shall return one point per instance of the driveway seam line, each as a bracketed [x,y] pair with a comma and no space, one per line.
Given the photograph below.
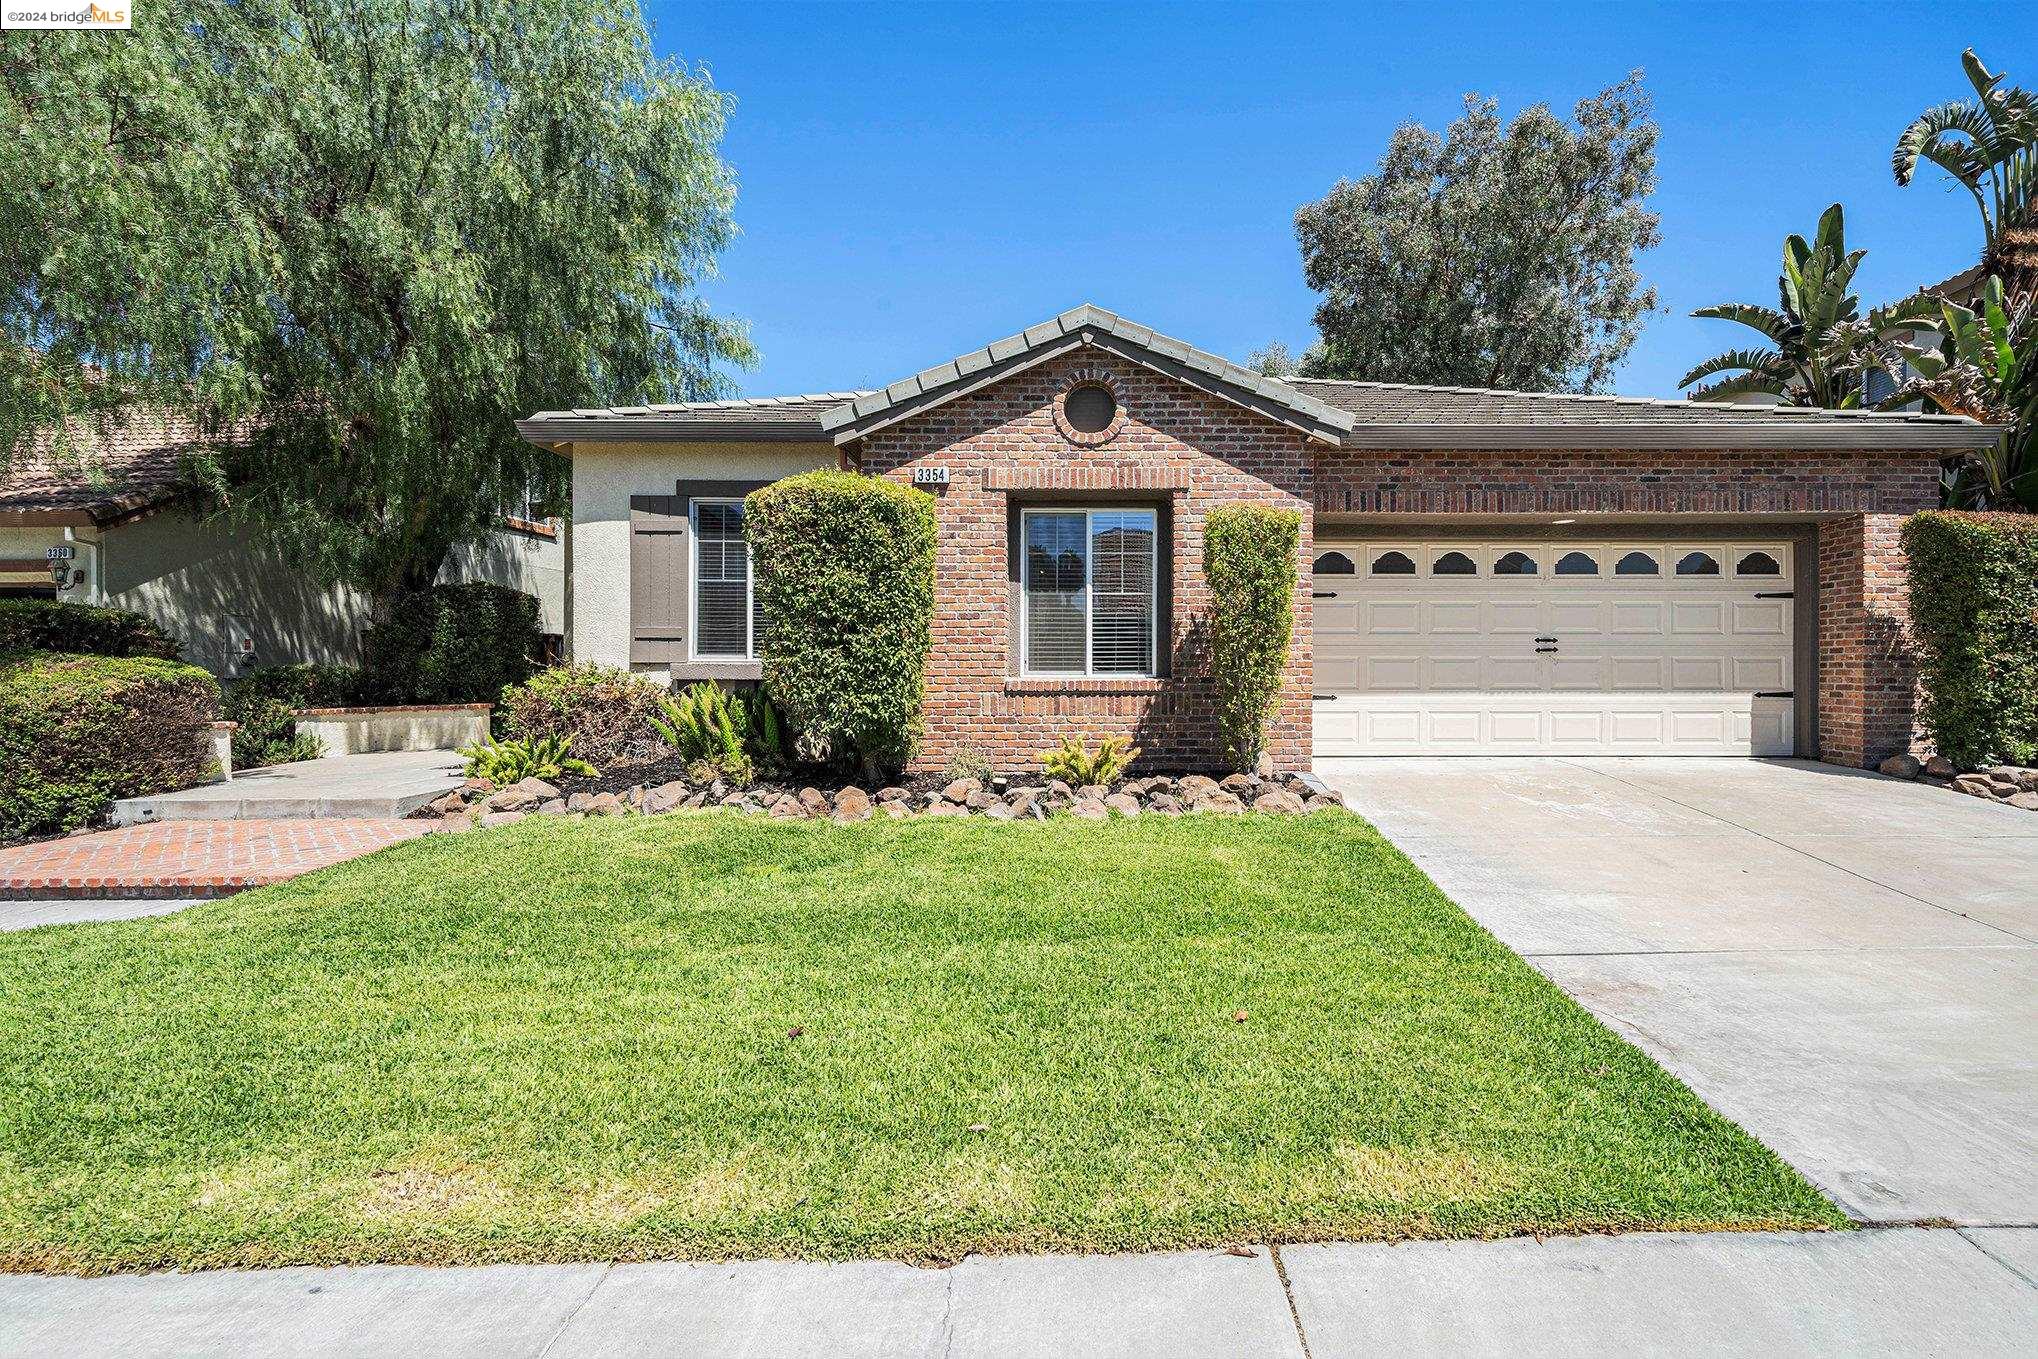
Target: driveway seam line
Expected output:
[601,1277]
[1863,877]
[1288,1291]
[1963,1234]
[1769,952]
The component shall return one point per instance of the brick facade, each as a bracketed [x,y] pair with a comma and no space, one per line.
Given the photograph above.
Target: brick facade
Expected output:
[1175,448]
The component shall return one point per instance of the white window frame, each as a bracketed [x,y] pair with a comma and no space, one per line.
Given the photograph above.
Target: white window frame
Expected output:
[1153,601]
[693,603]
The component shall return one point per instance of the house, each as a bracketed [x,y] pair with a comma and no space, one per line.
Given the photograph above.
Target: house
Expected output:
[125,534]
[1482,572]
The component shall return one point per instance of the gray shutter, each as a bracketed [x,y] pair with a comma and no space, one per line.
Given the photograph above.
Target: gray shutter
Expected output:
[658,579]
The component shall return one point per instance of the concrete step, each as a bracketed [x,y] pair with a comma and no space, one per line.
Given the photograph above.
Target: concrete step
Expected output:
[388,785]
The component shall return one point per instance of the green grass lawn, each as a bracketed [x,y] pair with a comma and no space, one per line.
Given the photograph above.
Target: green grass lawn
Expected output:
[707,1036]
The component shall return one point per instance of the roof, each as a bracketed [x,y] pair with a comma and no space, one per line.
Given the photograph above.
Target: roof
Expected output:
[1080,327]
[758,419]
[1339,413]
[1402,415]
[120,470]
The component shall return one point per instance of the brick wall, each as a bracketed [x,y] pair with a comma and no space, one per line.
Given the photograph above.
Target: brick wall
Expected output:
[1867,681]
[1610,481]
[1176,447]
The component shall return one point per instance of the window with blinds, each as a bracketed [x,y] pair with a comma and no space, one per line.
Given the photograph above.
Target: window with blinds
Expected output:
[726,619]
[1088,592]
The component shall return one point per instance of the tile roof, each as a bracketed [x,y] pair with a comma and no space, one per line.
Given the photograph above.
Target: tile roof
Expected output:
[111,472]
[1346,414]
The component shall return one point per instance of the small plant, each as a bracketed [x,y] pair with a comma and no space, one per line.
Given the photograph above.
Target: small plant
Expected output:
[968,762]
[1073,763]
[506,762]
[766,740]
[605,710]
[708,727]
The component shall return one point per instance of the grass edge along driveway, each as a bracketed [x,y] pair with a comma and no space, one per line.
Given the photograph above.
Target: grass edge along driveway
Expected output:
[706,1036]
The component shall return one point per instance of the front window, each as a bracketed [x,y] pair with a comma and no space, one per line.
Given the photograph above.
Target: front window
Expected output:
[726,620]
[1088,592]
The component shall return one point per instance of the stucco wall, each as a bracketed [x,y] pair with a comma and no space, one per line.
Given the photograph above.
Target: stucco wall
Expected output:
[605,476]
[523,561]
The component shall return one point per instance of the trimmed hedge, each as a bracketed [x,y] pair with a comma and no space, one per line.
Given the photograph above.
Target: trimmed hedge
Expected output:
[81,629]
[451,644]
[604,710]
[76,732]
[1974,618]
[1249,560]
[265,701]
[845,574]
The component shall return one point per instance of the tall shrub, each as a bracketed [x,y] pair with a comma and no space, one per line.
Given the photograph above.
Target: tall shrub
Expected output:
[1249,560]
[46,625]
[76,732]
[1974,616]
[845,574]
[451,644]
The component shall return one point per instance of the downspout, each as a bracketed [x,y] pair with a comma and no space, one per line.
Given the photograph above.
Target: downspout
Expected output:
[90,562]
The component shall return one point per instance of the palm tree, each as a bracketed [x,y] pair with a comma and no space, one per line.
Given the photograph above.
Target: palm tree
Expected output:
[1990,145]
[1984,366]
[1820,347]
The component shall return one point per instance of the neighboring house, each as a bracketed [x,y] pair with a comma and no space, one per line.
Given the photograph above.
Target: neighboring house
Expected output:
[135,543]
[1482,572]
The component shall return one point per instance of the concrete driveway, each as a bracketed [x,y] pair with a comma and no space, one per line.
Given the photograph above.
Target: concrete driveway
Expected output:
[1847,965]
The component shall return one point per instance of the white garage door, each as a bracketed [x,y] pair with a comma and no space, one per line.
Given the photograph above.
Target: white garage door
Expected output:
[1644,647]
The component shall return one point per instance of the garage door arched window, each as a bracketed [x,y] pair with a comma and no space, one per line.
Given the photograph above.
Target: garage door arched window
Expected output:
[1637,564]
[1393,564]
[1334,564]
[1698,564]
[1453,564]
[1758,564]
[1515,564]
[1577,564]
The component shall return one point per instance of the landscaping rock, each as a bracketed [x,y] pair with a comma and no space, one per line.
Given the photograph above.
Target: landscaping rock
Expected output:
[511,799]
[981,800]
[1220,803]
[959,791]
[1166,803]
[2025,780]
[1901,767]
[895,807]
[1975,785]
[1089,809]
[2027,802]
[578,802]
[537,788]
[943,807]
[852,804]
[999,811]
[482,787]
[1319,803]
[1057,788]
[1195,786]
[552,806]
[1277,802]
[666,797]
[1095,792]
[449,804]
[893,794]
[1939,767]
[458,821]
[1238,783]
[1264,767]
[605,804]
[501,818]
[1123,803]
[814,800]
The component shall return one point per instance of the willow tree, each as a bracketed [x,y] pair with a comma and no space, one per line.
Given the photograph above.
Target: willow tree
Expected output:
[357,239]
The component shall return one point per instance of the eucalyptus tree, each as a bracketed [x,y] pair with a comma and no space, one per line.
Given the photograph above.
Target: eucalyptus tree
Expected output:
[1819,347]
[1989,145]
[357,239]
[1490,255]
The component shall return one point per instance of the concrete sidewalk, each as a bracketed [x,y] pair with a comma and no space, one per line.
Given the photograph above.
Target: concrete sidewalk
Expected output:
[389,785]
[1879,1292]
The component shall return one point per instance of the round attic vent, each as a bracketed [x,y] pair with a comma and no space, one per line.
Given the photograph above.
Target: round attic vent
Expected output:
[1089,409]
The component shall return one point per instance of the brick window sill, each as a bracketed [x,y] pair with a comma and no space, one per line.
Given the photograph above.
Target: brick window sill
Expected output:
[1048,684]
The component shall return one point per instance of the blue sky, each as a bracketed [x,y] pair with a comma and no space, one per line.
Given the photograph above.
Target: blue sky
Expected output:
[919,179]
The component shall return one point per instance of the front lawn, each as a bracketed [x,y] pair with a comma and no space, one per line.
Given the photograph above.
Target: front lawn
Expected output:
[705,1036]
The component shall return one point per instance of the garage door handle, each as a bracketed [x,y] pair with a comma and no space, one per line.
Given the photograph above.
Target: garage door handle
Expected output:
[1546,651]
[1546,639]
[1323,594]
[1322,698]
[1776,594]
[1776,693]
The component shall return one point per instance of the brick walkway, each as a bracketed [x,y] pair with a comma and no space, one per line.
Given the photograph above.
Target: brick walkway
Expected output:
[190,858]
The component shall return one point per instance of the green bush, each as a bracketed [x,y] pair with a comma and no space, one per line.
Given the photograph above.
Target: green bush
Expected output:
[1249,559]
[1075,764]
[845,575]
[709,728]
[265,703]
[76,732]
[604,711]
[451,644]
[1974,617]
[506,762]
[80,629]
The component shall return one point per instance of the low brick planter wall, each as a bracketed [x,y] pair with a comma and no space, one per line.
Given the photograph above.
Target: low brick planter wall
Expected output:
[367,731]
